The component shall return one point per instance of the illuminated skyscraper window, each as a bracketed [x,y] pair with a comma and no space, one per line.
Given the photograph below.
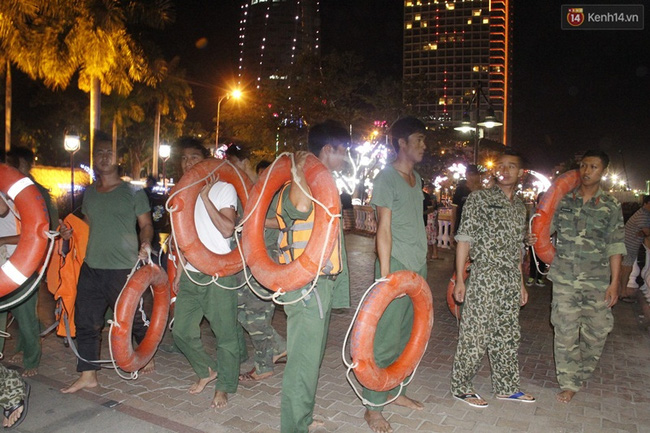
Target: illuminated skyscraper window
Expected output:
[466,42]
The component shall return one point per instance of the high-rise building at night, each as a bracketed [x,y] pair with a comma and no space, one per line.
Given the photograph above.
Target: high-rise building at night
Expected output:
[452,47]
[272,35]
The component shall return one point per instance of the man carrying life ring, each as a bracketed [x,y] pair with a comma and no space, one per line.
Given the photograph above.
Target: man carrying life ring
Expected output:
[308,320]
[492,230]
[254,314]
[111,207]
[197,298]
[401,244]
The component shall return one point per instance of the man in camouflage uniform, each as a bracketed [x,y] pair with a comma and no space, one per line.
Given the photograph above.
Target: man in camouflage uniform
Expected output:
[585,274]
[492,231]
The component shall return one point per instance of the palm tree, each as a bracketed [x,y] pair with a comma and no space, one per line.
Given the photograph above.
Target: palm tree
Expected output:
[122,110]
[170,95]
[14,18]
[90,37]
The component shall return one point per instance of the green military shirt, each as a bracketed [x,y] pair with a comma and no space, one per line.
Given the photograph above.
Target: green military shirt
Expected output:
[113,241]
[587,236]
[391,191]
[341,291]
[52,211]
[494,226]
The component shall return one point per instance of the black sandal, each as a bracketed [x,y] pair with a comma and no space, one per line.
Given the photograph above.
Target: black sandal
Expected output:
[24,403]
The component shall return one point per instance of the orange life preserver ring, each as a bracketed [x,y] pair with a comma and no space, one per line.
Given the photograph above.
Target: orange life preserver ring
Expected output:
[454,308]
[362,341]
[126,357]
[304,268]
[182,216]
[565,183]
[32,245]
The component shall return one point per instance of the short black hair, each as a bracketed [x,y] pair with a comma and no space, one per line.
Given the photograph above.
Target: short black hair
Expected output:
[192,143]
[509,151]
[238,151]
[329,132]
[472,169]
[102,136]
[598,154]
[17,153]
[261,166]
[403,128]
[646,199]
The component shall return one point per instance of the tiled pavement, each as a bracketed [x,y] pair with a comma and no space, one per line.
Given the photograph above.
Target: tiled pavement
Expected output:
[616,399]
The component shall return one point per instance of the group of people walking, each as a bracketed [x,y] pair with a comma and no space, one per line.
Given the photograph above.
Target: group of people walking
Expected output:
[491,235]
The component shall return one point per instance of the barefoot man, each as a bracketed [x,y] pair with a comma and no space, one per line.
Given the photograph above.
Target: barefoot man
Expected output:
[111,208]
[585,274]
[401,244]
[197,298]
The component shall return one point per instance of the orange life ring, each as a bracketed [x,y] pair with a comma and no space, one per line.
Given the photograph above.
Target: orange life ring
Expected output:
[34,223]
[182,216]
[454,308]
[303,269]
[565,183]
[362,341]
[126,357]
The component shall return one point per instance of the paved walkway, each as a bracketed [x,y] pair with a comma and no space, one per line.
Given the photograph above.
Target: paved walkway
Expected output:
[616,399]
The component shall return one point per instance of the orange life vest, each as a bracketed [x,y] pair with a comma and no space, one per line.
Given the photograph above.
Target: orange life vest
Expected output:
[293,240]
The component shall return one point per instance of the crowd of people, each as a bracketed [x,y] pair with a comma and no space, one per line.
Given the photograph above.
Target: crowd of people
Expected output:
[588,275]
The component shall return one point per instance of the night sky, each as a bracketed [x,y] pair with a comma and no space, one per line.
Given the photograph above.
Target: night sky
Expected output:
[572,90]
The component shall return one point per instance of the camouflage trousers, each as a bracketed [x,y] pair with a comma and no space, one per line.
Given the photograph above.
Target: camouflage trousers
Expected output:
[255,315]
[12,387]
[489,322]
[581,321]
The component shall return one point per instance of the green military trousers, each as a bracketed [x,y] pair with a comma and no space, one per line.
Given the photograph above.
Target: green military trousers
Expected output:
[392,334]
[581,322]
[255,316]
[489,323]
[219,307]
[29,327]
[307,327]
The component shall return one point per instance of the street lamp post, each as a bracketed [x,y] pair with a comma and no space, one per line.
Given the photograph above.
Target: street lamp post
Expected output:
[489,122]
[71,143]
[234,94]
[164,151]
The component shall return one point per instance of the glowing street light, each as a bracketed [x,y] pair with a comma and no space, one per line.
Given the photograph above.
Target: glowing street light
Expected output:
[235,94]
[71,144]
[164,151]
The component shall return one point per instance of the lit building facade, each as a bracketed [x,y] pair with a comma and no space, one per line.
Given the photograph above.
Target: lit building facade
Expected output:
[449,48]
[272,35]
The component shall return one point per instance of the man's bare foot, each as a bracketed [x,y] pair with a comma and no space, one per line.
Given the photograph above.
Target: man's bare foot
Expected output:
[29,372]
[200,384]
[252,376]
[278,357]
[377,422]
[316,424]
[149,368]
[404,401]
[16,358]
[220,400]
[565,396]
[11,420]
[88,379]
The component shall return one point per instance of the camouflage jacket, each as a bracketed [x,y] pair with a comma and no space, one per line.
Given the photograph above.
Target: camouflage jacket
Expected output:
[495,228]
[587,236]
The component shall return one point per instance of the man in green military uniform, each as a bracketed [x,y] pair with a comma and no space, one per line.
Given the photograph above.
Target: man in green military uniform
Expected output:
[492,231]
[254,314]
[401,245]
[308,319]
[585,274]
[29,341]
